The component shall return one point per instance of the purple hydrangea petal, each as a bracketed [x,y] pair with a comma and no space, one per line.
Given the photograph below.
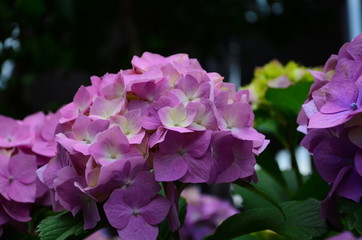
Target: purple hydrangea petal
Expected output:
[82,99]
[137,226]
[90,214]
[67,143]
[343,236]
[112,145]
[320,120]
[80,125]
[169,167]
[196,144]
[68,113]
[314,138]
[104,109]
[198,170]
[117,211]
[248,133]
[358,162]
[350,186]
[233,158]
[331,155]
[22,167]
[20,192]
[18,211]
[144,182]
[145,90]
[96,127]
[236,115]
[177,118]
[157,210]
[12,133]
[172,195]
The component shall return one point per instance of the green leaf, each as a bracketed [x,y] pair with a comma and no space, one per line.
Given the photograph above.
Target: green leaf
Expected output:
[302,221]
[257,190]
[60,226]
[266,184]
[163,230]
[182,207]
[246,237]
[353,214]
[270,122]
[289,99]
[291,178]
[263,235]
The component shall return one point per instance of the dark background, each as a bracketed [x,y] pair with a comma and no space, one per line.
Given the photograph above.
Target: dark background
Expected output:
[58,44]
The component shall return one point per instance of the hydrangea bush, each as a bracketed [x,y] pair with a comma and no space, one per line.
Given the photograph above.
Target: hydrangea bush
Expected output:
[24,147]
[115,160]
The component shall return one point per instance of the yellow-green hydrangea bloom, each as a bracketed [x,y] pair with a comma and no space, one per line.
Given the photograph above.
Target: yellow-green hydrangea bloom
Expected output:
[275,75]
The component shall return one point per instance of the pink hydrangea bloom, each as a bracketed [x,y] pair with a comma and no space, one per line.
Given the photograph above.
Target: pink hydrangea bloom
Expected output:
[25,145]
[164,120]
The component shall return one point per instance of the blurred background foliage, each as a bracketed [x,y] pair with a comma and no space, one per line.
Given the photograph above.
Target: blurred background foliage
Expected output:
[48,48]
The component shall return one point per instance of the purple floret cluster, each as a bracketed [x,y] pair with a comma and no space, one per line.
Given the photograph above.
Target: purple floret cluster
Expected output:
[331,118]
[24,147]
[164,120]
[204,214]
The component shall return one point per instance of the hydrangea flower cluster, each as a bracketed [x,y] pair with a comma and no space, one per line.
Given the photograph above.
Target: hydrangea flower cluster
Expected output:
[275,75]
[24,146]
[164,120]
[332,121]
[204,214]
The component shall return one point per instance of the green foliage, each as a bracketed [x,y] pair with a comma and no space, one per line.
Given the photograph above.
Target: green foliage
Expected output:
[60,227]
[314,187]
[256,189]
[263,235]
[274,75]
[182,209]
[270,166]
[302,221]
[353,214]
[268,186]
[288,100]
[9,233]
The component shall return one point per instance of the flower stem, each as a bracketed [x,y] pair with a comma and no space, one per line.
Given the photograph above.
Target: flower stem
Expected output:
[295,167]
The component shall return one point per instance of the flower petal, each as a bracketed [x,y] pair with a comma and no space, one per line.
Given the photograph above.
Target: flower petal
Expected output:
[137,226]
[169,167]
[117,211]
[157,210]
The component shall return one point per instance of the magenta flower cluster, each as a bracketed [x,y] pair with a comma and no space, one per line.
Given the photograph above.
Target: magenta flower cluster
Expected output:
[331,118]
[24,146]
[164,120]
[204,214]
